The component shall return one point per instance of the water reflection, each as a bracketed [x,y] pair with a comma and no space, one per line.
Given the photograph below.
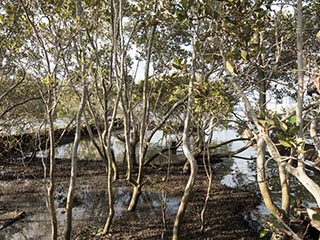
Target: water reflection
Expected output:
[90,206]
[241,173]
[233,172]
[88,151]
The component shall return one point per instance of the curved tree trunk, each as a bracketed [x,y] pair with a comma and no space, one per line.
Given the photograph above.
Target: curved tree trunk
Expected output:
[208,168]
[74,156]
[143,128]
[193,170]
[187,149]
[263,181]
[135,197]
[284,183]
[285,189]
[73,175]
[50,100]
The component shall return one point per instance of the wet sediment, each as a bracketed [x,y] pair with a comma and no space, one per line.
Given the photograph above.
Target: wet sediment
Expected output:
[227,215]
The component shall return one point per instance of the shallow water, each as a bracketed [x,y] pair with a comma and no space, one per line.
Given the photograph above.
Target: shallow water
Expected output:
[90,207]
[242,174]
[90,202]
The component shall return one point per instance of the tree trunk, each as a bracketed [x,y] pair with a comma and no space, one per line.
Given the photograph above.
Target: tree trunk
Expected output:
[263,87]
[128,147]
[134,197]
[187,149]
[74,156]
[193,173]
[143,144]
[300,69]
[306,181]
[263,181]
[116,25]
[73,174]
[285,188]
[110,158]
[51,188]
[299,172]
[205,205]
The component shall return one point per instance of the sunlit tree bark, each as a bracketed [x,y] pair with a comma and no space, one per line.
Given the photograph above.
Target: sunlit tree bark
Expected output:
[143,127]
[116,23]
[187,147]
[50,99]
[76,142]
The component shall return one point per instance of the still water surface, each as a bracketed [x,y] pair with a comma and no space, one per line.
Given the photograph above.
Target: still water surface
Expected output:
[90,203]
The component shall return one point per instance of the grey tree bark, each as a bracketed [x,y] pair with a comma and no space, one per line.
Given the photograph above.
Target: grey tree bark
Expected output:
[186,146]
[76,142]
[51,187]
[50,99]
[137,185]
[116,23]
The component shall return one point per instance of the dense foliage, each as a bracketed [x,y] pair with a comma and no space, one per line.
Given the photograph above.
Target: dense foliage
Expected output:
[154,64]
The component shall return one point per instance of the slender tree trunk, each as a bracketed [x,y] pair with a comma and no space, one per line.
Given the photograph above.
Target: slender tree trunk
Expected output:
[187,149]
[263,181]
[209,188]
[193,170]
[123,81]
[51,187]
[50,111]
[73,173]
[307,182]
[135,197]
[74,156]
[143,128]
[285,188]
[116,26]
[284,182]
[208,169]
[299,172]
[110,159]
[263,140]
[300,66]
[128,148]
[133,155]
[300,69]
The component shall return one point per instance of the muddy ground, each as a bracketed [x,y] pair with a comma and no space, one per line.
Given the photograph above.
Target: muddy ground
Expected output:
[227,215]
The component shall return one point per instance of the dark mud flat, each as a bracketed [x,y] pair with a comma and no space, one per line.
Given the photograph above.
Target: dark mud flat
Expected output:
[23,188]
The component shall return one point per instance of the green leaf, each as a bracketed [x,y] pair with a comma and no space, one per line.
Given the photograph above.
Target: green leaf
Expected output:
[318,35]
[244,55]
[263,233]
[301,151]
[184,3]
[293,119]
[285,143]
[176,61]
[283,126]
[181,15]
[316,216]
[176,66]
[48,80]
[229,66]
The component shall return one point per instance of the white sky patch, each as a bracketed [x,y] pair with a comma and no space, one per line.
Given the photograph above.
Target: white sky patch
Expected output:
[141,65]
